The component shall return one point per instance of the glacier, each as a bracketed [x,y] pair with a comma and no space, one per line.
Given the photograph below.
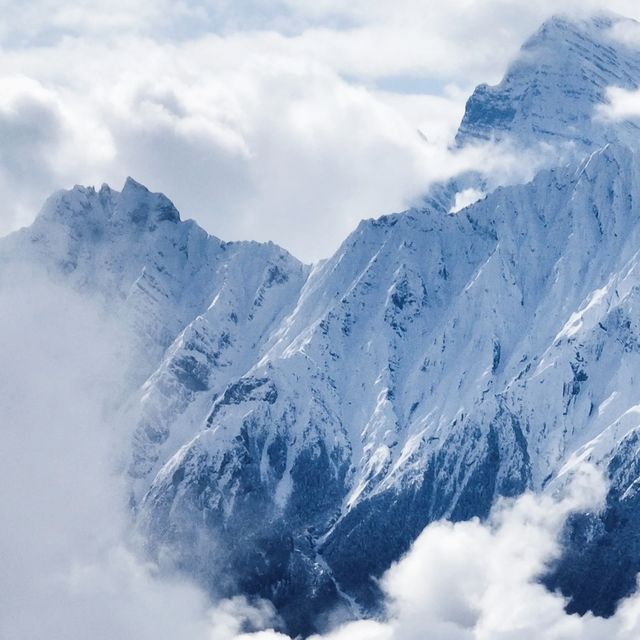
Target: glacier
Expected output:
[295,427]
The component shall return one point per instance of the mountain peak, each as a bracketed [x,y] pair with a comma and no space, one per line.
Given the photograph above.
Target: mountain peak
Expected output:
[134,206]
[142,206]
[550,92]
[559,26]
[133,186]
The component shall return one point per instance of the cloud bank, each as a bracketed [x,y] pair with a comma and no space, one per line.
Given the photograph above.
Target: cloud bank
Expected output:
[72,568]
[479,581]
[262,119]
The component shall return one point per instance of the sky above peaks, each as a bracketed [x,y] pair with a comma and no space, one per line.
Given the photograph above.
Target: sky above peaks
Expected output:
[269,120]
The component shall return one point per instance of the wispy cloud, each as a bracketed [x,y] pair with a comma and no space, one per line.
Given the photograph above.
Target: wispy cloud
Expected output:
[623,104]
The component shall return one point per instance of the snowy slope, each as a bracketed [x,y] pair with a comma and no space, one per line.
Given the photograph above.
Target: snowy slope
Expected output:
[295,428]
[255,286]
[165,278]
[550,92]
[435,363]
[431,365]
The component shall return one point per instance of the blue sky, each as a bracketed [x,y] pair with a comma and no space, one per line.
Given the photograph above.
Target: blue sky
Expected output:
[283,120]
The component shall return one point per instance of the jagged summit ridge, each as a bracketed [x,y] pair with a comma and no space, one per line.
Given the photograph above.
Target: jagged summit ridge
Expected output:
[551,92]
[134,204]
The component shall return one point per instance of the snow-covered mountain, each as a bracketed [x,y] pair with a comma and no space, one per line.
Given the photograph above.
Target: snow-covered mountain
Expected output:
[131,250]
[294,428]
[550,93]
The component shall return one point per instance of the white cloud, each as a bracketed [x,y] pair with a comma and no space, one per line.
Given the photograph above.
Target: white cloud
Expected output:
[478,581]
[31,129]
[465,198]
[622,104]
[262,119]
[281,149]
[43,142]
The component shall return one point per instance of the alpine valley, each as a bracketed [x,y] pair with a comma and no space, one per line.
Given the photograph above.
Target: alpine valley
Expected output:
[294,428]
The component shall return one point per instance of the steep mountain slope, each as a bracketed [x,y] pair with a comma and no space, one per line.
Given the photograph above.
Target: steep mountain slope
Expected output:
[430,366]
[551,91]
[254,289]
[294,429]
[132,252]
[434,364]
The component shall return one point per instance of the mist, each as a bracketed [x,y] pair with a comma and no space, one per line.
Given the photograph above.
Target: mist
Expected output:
[72,569]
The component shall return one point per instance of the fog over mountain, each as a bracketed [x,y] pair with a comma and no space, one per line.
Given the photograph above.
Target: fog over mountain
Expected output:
[431,433]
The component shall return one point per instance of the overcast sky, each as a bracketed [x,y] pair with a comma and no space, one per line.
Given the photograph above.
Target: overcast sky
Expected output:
[284,120]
